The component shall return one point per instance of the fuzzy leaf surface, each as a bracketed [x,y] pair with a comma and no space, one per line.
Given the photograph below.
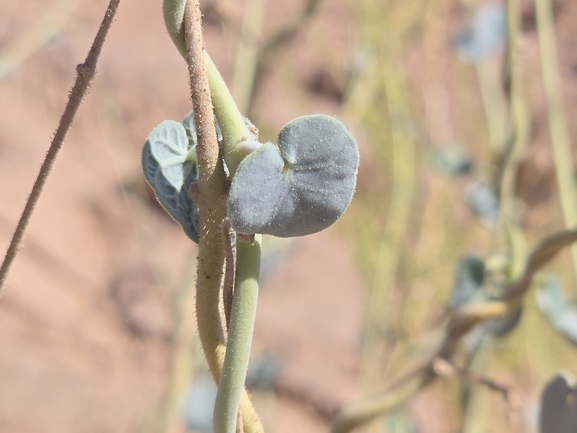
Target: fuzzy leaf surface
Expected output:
[169,164]
[299,188]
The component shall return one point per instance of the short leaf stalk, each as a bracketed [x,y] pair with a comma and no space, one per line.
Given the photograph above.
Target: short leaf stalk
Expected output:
[239,335]
[231,122]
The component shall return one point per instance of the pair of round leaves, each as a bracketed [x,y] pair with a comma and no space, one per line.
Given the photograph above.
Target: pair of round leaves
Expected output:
[170,166]
[300,187]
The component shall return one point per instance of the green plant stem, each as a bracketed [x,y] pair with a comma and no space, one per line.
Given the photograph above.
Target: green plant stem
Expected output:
[212,205]
[518,137]
[557,124]
[493,104]
[231,122]
[85,72]
[239,335]
[232,125]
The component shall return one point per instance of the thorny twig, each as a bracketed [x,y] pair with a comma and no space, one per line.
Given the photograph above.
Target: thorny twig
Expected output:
[85,72]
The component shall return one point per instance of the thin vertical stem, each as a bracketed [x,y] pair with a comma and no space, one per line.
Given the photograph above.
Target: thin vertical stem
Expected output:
[246,62]
[85,72]
[211,189]
[557,124]
[239,335]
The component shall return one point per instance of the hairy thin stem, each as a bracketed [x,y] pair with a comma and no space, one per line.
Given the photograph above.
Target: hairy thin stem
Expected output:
[211,196]
[239,335]
[85,72]
[246,61]
[210,191]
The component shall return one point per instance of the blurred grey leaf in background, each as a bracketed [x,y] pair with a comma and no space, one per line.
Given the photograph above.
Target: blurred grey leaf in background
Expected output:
[485,35]
[483,201]
[559,312]
[198,406]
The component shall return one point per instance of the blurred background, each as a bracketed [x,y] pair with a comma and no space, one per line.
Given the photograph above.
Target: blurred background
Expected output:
[97,327]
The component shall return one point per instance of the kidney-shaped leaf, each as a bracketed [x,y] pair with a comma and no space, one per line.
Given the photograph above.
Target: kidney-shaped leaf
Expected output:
[169,164]
[299,188]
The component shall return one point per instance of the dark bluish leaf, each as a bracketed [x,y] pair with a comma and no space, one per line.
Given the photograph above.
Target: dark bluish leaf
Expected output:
[469,280]
[262,372]
[559,405]
[169,164]
[452,160]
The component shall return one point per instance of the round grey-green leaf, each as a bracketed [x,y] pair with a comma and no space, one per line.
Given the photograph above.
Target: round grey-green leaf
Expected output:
[300,187]
[170,166]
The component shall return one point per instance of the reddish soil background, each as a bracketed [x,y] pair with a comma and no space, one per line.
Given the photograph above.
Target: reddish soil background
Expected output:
[86,321]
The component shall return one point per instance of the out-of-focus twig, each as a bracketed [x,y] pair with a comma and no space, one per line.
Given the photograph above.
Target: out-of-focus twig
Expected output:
[84,74]
[247,54]
[183,340]
[277,41]
[33,39]
[443,367]
[461,322]
[557,124]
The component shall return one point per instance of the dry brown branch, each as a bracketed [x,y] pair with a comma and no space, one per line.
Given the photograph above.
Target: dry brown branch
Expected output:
[85,72]
[211,209]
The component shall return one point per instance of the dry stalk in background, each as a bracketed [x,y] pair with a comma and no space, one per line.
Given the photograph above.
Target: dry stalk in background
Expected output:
[85,72]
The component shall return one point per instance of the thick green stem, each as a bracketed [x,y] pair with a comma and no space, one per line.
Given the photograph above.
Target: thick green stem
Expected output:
[239,336]
[232,125]
[231,122]
[211,195]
